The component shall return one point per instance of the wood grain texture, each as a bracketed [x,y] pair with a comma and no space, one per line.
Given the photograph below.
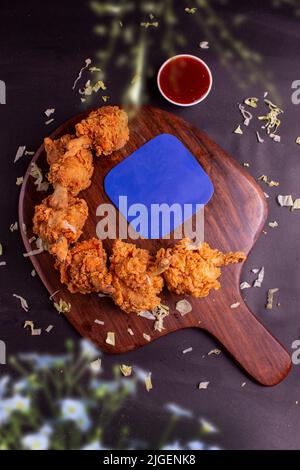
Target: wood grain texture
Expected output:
[233,220]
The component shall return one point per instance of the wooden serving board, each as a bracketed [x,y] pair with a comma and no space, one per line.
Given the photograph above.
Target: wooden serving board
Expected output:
[234,219]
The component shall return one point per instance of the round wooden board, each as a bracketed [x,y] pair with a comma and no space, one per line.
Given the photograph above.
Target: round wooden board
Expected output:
[233,220]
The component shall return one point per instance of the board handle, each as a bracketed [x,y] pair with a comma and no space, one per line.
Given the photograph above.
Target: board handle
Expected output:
[250,344]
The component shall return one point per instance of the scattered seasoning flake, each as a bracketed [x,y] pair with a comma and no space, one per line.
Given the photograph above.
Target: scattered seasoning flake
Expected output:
[266,195]
[246,115]
[62,306]
[146,314]
[36,332]
[235,305]
[37,174]
[147,337]
[20,153]
[270,183]
[148,382]
[190,11]
[260,278]
[148,24]
[185,351]
[87,63]
[252,102]
[49,111]
[29,323]
[110,339]
[126,370]
[96,365]
[298,140]
[259,138]
[105,98]
[13,227]
[99,322]
[246,164]
[33,273]
[129,330]
[203,385]
[183,307]
[243,384]
[29,152]
[216,352]
[270,297]
[296,204]
[255,270]
[49,328]
[89,88]
[3,263]
[19,180]
[271,118]
[23,302]
[40,248]
[285,201]
[244,285]
[204,45]
[275,137]
[238,130]
[49,121]
[273,224]
[94,69]
[160,312]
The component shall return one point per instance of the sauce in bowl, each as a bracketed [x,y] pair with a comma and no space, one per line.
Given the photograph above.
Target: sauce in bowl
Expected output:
[184,80]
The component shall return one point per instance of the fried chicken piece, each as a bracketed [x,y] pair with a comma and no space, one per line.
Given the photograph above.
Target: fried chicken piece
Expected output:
[60,227]
[195,270]
[136,277]
[56,148]
[72,171]
[85,270]
[107,128]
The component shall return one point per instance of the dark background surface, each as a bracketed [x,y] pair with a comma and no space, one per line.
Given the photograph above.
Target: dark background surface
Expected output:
[43,46]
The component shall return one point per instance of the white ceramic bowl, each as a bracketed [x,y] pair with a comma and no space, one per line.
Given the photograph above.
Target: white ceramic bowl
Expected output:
[175,102]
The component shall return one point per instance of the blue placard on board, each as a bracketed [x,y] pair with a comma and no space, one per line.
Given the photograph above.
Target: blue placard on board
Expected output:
[159,175]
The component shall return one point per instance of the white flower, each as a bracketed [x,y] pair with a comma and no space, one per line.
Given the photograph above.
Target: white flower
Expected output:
[88,350]
[35,442]
[179,411]
[95,445]
[17,403]
[74,410]
[3,385]
[195,445]
[174,446]
[207,427]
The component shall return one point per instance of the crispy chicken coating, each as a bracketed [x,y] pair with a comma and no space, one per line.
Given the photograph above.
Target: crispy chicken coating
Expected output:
[107,128]
[60,227]
[195,270]
[85,270]
[136,277]
[56,148]
[72,171]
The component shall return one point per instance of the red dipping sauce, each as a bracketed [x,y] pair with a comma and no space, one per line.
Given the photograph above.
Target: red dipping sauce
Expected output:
[184,80]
